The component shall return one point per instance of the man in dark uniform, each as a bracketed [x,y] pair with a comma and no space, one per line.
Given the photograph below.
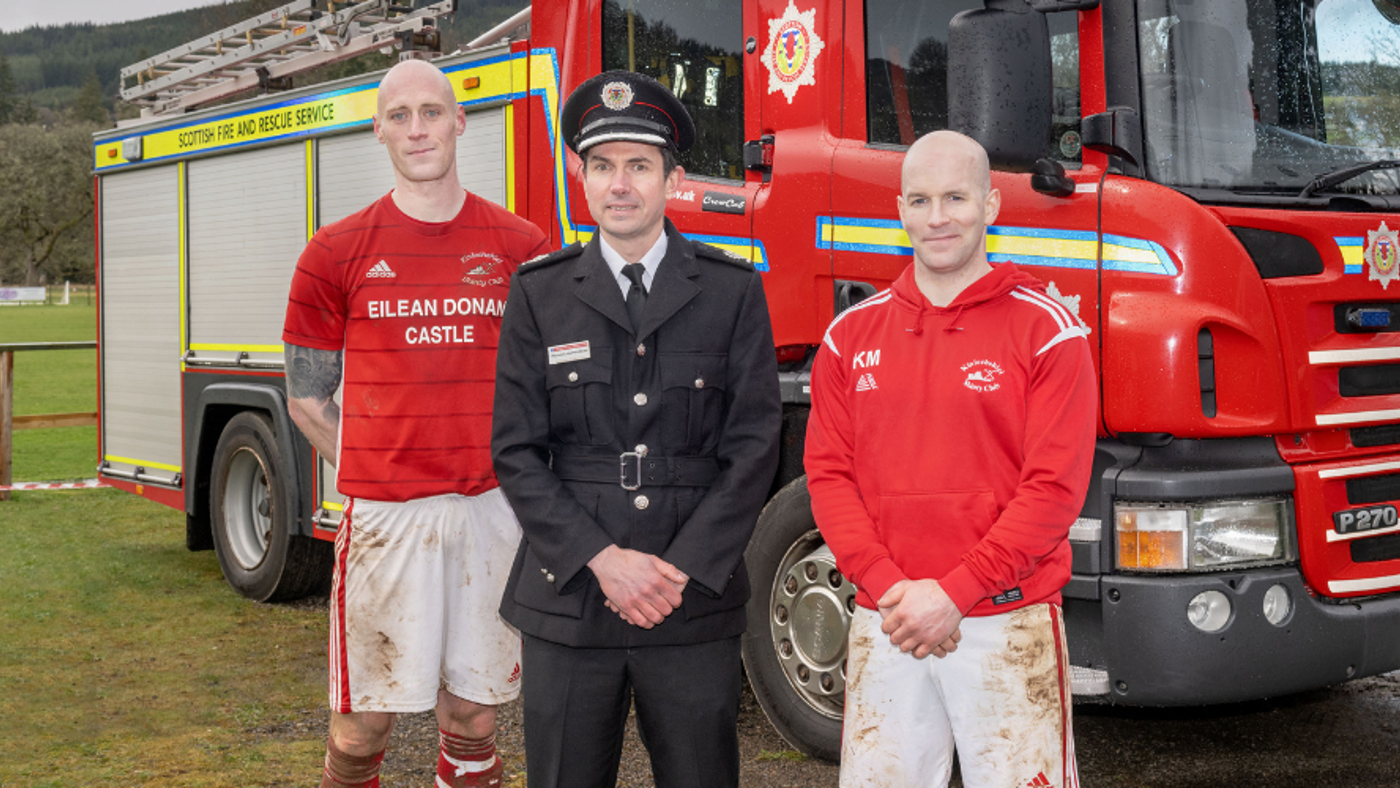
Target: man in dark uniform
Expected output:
[636,436]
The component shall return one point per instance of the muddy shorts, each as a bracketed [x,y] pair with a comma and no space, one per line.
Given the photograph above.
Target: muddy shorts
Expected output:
[1002,699]
[414,604]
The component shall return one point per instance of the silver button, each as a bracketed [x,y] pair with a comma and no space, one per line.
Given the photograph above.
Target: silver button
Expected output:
[641,502]
[642,349]
[640,399]
[641,449]
[573,377]
[544,571]
[699,383]
[549,577]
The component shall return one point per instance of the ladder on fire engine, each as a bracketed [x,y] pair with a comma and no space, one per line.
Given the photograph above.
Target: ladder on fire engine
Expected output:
[268,49]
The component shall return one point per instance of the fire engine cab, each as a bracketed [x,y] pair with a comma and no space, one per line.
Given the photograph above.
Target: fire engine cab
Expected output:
[1208,186]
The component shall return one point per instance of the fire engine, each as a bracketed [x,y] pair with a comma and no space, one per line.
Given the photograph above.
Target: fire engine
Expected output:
[1208,186]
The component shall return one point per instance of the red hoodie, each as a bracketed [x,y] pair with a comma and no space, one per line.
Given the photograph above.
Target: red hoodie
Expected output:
[953,443]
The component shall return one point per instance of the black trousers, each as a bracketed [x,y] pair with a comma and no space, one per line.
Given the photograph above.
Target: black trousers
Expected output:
[576,702]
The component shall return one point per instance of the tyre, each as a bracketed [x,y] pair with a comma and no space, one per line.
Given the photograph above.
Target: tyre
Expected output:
[799,615]
[253,523]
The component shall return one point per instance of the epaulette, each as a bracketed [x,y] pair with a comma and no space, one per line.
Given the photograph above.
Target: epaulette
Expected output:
[567,253]
[715,253]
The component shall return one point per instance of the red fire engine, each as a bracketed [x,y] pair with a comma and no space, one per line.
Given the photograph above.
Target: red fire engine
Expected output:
[1209,186]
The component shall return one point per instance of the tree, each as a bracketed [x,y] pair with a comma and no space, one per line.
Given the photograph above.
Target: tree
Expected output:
[8,92]
[91,106]
[24,112]
[46,205]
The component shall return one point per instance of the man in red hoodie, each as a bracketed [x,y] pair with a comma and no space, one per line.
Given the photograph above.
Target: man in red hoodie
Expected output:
[948,453]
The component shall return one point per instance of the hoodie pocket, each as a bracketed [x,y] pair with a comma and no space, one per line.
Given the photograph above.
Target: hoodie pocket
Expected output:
[927,534]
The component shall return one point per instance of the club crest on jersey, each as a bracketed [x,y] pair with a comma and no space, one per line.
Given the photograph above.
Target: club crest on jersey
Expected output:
[1382,254]
[617,96]
[480,266]
[982,375]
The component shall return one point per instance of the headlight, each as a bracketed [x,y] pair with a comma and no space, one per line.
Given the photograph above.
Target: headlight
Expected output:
[1217,534]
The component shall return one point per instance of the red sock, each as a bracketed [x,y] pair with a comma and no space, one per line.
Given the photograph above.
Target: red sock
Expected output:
[465,763]
[350,771]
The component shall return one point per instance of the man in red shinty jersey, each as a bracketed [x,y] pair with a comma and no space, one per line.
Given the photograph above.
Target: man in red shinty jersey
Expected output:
[401,304]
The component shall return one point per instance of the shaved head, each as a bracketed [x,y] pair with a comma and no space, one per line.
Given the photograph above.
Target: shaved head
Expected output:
[946,201]
[948,148]
[413,73]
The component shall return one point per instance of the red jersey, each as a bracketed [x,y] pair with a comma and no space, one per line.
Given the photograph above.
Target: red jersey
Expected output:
[953,443]
[416,306]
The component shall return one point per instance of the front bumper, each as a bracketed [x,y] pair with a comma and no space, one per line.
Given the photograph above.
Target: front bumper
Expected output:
[1138,632]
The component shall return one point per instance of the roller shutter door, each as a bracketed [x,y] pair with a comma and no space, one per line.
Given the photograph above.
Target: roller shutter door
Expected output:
[141,418]
[247,227]
[481,155]
[353,170]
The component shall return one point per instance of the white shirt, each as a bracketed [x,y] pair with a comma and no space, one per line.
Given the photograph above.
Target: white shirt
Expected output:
[649,262]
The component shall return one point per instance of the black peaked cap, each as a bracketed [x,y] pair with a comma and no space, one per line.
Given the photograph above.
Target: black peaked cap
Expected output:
[626,106]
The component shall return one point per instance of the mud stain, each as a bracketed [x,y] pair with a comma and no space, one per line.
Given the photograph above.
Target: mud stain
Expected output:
[1023,684]
[431,541]
[385,654]
[373,540]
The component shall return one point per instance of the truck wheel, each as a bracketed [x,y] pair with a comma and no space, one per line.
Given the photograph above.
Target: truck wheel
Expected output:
[799,616]
[261,558]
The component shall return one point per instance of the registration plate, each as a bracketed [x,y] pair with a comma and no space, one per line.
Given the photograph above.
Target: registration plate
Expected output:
[1370,518]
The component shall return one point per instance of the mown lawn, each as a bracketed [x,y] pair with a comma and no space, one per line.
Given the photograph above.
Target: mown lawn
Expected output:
[126,660]
[53,381]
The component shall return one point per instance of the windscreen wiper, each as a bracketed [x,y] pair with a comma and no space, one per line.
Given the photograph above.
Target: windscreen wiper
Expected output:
[1329,179]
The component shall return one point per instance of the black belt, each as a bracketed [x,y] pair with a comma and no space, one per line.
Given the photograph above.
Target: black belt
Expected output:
[633,469]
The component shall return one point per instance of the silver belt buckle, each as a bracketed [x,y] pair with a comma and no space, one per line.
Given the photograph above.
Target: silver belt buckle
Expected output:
[636,466]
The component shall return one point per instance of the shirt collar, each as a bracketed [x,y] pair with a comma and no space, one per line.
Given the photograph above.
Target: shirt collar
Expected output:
[649,262]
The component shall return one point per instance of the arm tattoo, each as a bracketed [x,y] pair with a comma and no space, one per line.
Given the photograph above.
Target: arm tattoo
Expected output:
[311,373]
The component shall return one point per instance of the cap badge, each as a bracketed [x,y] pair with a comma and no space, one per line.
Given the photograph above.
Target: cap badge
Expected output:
[617,96]
[793,46]
[1382,254]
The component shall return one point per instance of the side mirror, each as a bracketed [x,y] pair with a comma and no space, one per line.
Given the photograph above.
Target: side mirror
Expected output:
[999,82]
[1048,177]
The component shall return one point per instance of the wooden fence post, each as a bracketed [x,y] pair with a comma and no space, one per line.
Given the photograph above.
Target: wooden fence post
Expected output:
[7,411]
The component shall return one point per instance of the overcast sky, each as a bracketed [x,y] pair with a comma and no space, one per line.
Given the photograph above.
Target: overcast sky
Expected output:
[19,15]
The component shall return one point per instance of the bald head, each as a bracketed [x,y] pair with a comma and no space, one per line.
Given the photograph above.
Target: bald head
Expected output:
[945,203]
[413,75]
[948,149]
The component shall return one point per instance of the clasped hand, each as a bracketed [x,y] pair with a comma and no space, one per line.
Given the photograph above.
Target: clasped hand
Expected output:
[640,587]
[920,618]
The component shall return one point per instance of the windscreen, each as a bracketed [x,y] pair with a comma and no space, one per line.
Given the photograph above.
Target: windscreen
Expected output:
[1266,95]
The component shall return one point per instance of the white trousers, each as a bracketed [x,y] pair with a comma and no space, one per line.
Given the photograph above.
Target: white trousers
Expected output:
[414,604]
[1002,700]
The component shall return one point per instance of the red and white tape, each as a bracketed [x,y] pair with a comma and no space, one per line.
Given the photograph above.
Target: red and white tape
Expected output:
[86,484]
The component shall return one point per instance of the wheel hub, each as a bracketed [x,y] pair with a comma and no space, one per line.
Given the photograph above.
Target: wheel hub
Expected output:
[248,508]
[810,616]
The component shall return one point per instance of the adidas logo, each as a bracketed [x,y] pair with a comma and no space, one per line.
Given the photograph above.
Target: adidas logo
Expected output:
[381,269]
[866,383]
[514,674]
[1040,781]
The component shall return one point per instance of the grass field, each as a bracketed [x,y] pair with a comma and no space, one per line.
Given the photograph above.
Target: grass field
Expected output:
[127,661]
[53,381]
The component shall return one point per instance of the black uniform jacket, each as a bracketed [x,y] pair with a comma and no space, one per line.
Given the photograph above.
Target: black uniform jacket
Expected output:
[575,389]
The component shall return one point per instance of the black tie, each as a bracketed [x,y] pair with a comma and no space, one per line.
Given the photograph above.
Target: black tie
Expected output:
[636,294]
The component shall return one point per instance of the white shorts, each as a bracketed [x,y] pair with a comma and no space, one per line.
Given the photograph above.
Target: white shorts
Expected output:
[414,604]
[1003,699]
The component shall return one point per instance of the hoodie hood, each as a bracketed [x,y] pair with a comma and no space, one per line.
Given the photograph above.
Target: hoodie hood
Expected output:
[997,283]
